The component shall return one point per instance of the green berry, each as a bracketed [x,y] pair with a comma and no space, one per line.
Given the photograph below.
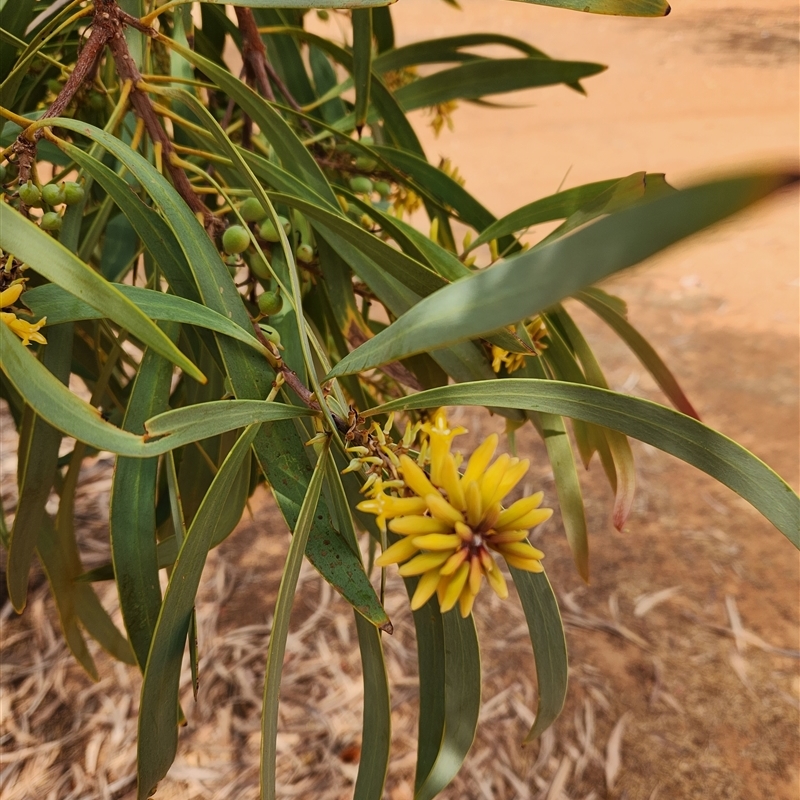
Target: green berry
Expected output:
[367,140]
[323,14]
[51,221]
[305,253]
[366,164]
[73,193]
[259,267]
[29,194]
[53,194]
[235,239]
[54,85]
[267,230]
[361,185]
[270,303]
[383,188]
[97,101]
[252,210]
[271,334]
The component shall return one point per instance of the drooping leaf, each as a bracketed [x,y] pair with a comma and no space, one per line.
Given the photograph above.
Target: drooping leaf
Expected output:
[628,8]
[549,646]
[29,243]
[280,628]
[158,714]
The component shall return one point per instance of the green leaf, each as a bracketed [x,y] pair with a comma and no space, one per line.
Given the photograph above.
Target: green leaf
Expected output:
[52,260]
[668,430]
[158,714]
[553,431]
[447,50]
[549,646]
[132,511]
[55,403]
[280,627]
[175,428]
[362,62]
[603,305]
[38,461]
[556,206]
[61,306]
[462,702]
[527,284]
[627,8]
[376,727]
[491,76]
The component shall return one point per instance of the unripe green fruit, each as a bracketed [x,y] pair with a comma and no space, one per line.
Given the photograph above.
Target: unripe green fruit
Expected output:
[51,221]
[270,303]
[366,164]
[73,193]
[305,253]
[54,85]
[97,101]
[53,194]
[252,210]
[383,188]
[235,239]
[361,185]
[367,140]
[323,14]
[267,230]
[29,194]
[259,267]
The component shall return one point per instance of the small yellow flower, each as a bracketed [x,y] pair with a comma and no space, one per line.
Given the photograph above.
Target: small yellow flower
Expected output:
[27,331]
[455,522]
[514,361]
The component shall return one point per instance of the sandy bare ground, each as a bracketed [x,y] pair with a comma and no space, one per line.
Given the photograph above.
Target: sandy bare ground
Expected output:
[684,662]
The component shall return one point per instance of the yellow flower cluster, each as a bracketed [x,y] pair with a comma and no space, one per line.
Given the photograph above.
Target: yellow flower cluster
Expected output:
[514,361]
[27,331]
[443,115]
[451,523]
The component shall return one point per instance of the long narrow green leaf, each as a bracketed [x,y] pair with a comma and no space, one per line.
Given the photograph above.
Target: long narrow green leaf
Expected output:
[59,306]
[203,420]
[568,488]
[668,430]
[158,714]
[132,510]
[376,727]
[280,628]
[58,405]
[447,49]
[627,8]
[462,702]
[362,62]
[533,281]
[491,76]
[49,258]
[549,646]
[618,445]
[556,206]
[38,465]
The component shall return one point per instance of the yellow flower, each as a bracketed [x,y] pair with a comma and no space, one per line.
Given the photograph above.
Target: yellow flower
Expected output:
[458,521]
[27,331]
[514,361]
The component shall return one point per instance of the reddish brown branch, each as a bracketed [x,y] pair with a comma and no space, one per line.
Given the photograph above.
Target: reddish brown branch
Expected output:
[254,53]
